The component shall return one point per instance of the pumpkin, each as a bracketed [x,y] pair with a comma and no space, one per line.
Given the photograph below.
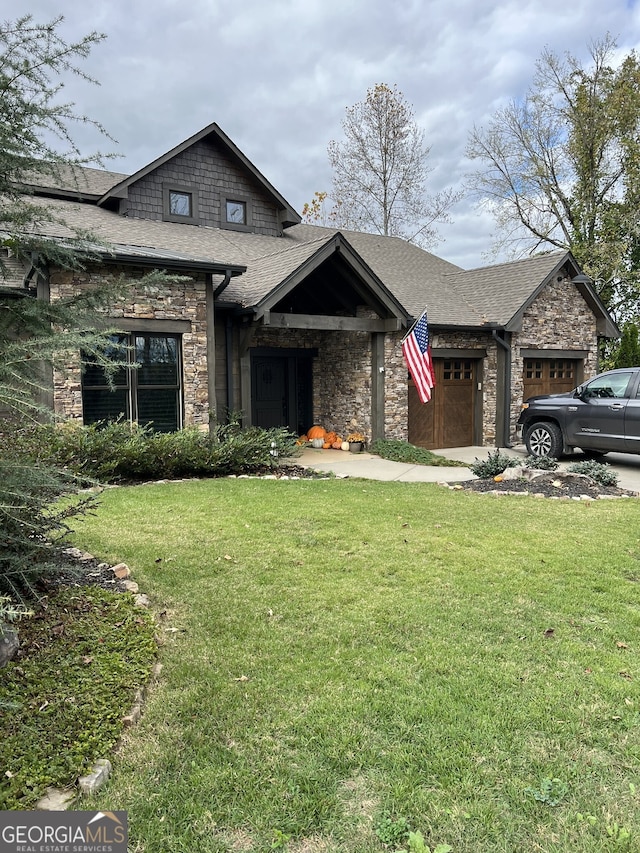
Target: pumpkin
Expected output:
[326,445]
[337,445]
[316,432]
[344,445]
[331,436]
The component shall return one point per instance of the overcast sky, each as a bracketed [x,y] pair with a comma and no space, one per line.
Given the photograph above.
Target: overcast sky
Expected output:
[277,75]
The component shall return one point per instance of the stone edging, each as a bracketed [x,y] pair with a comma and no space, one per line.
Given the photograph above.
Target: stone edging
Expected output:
[531,494]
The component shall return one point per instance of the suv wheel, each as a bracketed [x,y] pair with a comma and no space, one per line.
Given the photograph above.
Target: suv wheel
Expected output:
[544,439]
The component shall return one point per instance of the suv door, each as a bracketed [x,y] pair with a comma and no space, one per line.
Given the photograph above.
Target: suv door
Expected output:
[597,422]
[632,418]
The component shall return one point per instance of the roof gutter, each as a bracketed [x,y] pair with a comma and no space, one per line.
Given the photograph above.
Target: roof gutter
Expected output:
[171,263]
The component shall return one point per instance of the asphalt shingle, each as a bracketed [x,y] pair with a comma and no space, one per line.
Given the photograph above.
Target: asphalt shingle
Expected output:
[416,278]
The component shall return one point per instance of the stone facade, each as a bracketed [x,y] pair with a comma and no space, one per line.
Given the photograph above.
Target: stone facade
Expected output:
[164,303]
[559,318]
[342,369]
[341,374]
[396,399]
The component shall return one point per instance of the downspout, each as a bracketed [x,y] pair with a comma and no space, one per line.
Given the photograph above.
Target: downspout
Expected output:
[228,344]
[43,292]
[36,269]
[506,391]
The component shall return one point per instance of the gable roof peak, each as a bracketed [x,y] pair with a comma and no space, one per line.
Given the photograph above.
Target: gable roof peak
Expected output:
[288,215]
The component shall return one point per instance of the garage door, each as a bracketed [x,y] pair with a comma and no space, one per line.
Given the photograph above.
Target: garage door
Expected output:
[447,420]
[549,375]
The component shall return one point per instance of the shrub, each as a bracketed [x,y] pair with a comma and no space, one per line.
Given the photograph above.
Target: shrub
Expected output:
[32,523]
[495,463]
[542,463]
[598,471]
[121,451]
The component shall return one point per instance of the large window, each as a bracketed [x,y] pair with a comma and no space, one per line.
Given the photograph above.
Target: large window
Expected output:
[149,394]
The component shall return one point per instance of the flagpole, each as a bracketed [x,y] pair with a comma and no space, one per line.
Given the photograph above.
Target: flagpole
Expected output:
[414,324]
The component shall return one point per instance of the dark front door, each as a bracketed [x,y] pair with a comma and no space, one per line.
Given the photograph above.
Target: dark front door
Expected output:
[281,391]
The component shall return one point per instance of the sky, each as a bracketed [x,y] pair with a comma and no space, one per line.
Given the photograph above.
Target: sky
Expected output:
[278,75]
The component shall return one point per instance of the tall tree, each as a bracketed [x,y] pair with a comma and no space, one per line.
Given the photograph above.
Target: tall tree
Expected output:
[36,146]
[380,171]
[36,129]
[561,168]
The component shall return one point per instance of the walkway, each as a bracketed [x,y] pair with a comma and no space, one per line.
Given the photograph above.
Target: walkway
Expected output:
[368,466]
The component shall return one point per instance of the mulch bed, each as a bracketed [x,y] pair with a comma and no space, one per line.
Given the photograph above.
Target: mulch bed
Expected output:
[551,485]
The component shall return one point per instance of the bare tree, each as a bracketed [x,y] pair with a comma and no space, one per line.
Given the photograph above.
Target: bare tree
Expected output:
[560,169]
[380,171]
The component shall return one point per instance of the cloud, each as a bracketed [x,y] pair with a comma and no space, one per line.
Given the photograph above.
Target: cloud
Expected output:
[278,76]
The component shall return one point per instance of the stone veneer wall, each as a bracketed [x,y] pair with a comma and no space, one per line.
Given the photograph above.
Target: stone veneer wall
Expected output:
[216,178]
[341,374]
[165,302]
[396,389]
[558,319]
[396,382]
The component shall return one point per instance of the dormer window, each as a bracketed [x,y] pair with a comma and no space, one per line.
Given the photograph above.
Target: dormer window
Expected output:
[236,212]
[180,204]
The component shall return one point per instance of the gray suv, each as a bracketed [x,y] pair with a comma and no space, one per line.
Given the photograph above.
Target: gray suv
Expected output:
[600,415]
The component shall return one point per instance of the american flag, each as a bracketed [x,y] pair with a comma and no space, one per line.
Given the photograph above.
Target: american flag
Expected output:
[417,353]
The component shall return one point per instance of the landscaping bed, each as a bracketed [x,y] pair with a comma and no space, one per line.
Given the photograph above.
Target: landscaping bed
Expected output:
[551,484]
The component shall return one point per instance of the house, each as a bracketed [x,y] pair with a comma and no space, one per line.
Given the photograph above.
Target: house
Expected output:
[293,324]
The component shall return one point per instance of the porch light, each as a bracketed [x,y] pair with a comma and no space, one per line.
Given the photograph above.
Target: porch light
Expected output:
[582,278]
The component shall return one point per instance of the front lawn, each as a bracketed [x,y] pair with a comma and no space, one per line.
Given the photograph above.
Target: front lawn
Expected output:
[344,660]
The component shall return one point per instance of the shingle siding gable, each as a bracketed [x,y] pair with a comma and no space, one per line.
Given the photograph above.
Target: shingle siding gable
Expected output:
[216,177]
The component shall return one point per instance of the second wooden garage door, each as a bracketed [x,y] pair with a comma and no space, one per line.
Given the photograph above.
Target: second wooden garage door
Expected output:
[549,375]
[447,420]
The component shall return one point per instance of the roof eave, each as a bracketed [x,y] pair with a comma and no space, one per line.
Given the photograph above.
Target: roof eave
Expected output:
[119,256]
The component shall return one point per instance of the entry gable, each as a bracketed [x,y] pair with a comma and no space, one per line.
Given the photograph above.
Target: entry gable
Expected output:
[320,285]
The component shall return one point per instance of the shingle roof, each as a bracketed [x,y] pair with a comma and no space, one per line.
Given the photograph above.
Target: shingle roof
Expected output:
[499,292]
[77,180]
[415,278]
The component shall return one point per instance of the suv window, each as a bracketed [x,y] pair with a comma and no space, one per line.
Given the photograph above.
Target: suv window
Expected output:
[606,387]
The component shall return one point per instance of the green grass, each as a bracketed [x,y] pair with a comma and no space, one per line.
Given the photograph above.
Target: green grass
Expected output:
[342,657]
[62,702]
[402,451]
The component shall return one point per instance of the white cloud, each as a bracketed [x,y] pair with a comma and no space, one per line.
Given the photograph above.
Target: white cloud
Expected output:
[277,76]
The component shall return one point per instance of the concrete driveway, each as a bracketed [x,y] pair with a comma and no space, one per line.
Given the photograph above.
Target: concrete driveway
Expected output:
[368,466]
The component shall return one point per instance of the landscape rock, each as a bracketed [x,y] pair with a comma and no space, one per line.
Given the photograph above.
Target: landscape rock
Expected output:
[55,800]
[93,781]
[121,571]
[9,645]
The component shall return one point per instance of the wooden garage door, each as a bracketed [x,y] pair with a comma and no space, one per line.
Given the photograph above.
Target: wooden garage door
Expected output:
[447,420]
[549,376]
